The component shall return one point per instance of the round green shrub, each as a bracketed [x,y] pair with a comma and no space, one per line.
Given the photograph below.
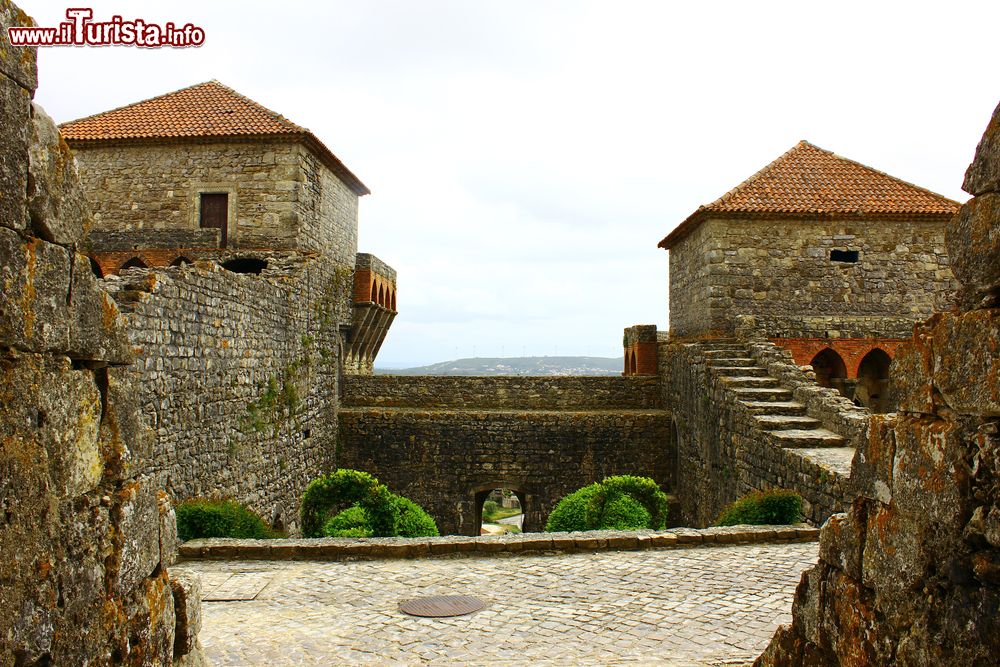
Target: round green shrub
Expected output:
[354,502]
[344,488]
[352,522]
[621,502]
[218,518]
[624,513]
[571,513]
[413,521]
[771,507]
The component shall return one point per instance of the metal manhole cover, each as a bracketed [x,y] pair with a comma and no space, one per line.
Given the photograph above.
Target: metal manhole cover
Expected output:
[441,606]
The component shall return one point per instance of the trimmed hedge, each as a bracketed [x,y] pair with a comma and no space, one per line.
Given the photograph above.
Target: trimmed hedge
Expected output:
[351,503]
[771,507]
[218,518]
[621,502]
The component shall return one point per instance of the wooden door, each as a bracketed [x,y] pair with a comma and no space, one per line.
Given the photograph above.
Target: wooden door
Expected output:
[215,214]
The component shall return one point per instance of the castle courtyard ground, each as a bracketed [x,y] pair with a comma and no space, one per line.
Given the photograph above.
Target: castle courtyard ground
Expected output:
[695,606]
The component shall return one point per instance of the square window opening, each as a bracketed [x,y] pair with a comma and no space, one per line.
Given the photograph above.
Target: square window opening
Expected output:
[845,256]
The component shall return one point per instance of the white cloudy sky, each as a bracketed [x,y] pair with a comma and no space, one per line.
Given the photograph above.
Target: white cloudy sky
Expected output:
[526,156]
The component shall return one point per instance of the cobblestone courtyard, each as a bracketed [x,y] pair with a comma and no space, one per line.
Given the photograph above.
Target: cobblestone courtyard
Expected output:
[703,606]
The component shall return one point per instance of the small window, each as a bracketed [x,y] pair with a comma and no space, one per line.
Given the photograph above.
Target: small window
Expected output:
[847,256]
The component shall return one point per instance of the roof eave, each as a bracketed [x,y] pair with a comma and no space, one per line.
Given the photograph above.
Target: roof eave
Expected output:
[692,221]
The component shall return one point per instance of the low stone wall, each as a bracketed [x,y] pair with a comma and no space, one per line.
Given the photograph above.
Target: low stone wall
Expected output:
[503,392]
[336,549]
[447,460]
[239,376]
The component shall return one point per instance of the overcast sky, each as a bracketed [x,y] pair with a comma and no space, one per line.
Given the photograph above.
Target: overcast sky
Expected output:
[525,157]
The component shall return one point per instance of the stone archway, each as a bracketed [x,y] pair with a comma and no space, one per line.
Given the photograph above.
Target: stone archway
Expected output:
[480,493]
[831,371]
[872,390]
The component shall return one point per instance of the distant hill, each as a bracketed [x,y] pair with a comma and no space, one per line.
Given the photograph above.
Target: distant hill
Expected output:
[516,366]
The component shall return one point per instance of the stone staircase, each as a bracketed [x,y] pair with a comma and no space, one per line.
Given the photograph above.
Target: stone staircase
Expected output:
[776,413]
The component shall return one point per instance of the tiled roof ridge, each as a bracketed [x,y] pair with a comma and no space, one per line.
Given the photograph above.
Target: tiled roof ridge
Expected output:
[803,143]
[277,117]
[787,186]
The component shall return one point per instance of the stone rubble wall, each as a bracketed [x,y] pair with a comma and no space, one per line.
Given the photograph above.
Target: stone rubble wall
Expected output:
[911,574]
[722,454]
[442,440]
[790,284]
[501,392]
[239,376]
[85,533]
[280,195]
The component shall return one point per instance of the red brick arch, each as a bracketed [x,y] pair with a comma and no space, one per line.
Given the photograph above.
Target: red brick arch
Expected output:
[851,350]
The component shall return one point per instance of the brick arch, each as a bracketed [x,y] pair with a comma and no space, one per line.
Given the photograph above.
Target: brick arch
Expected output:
[374,291]
[381,294]
[96,267]
[180,261]
[829,366]
[134,263]
[857,358]
[392,303]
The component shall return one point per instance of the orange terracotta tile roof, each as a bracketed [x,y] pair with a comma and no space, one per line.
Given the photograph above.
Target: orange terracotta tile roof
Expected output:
[203,111]
[808,181]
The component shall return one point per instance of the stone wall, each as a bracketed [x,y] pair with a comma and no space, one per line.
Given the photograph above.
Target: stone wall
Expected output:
[911,574]
[445,442]
[502,392]
[789,283]
[280,195]
[723,453]
[86,538]
[239,375]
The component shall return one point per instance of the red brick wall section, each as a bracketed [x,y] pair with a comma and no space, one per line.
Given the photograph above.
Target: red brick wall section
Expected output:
[851,350]
[641,359]
[385,291]
[111,262]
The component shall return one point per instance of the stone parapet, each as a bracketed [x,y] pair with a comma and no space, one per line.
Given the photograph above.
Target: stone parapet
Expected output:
[335,549]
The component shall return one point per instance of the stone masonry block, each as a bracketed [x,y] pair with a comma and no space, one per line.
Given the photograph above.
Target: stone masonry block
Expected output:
[168,529]
[983,174]
[911,387]
[97,329]
[974,245]
[15,103]
[17,62]
[967,361]
[126,442]
[187,607]
[59,213]
[34,286]
[139,532]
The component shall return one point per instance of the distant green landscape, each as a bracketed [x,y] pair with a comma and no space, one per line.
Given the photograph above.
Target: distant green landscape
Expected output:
[516,366]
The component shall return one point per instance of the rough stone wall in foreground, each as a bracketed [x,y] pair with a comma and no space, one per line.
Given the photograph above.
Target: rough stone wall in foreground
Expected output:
[911,574]
[85,539]
[239,376]
[780,271]
[444,442]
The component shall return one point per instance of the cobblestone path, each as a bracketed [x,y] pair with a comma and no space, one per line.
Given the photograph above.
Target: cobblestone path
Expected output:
[703,606]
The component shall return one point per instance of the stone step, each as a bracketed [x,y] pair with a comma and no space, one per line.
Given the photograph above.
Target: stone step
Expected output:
[775,407]
[723,351]
[783,422]
[743,362]
[739,371]
[810,438]
[749,381]
[762,393]
[836,459]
